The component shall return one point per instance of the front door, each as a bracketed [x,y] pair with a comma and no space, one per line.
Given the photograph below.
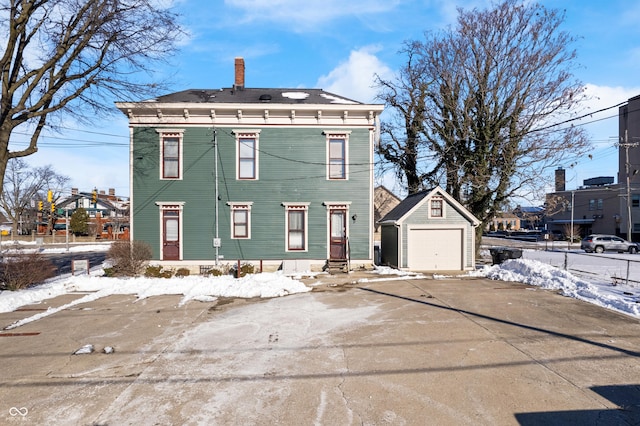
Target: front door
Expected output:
[338,234]
[171,235]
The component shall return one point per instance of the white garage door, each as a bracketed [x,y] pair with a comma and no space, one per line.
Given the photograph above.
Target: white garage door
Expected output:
[434,249]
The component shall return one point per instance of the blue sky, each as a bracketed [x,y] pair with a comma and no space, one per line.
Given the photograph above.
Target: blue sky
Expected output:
[338,46]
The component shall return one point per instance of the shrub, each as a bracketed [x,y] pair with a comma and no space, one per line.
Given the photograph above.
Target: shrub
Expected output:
[129,258]
[155,271]
[182,272]
[24,270]
[218,271]
[79,223]
[245,268]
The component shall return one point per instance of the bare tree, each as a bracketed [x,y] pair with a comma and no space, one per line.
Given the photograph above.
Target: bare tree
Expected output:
[483,97]
[24,187]
[404,143]
[75,57]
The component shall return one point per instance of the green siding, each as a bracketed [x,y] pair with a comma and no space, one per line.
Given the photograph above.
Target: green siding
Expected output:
[291,169]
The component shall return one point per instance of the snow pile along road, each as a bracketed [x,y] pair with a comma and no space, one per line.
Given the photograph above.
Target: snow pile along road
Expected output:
[621,298]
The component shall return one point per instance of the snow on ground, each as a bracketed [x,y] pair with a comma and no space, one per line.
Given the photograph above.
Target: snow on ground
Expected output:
[621,297]
[597,289]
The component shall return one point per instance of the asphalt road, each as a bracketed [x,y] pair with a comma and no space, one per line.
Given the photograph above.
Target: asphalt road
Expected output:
[63,261]
[405,352]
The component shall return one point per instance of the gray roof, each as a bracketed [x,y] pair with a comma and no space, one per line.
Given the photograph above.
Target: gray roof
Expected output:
[255,96]
[405,206]
[531,209]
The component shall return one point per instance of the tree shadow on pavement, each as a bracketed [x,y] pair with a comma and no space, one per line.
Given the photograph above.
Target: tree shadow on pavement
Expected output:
[627,397]
[511,323]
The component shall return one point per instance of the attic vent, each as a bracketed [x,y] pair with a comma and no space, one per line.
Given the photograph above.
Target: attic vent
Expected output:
[265,98]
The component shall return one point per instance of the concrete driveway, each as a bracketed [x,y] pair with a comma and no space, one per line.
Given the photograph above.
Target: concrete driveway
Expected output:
[404,352]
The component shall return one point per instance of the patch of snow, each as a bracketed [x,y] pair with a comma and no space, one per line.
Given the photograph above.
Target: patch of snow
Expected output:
[337,100]
[86,349]
[295,95]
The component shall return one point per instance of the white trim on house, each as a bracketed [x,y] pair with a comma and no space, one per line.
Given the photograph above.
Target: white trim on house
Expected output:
[178,133]
[337,135]
[169,205]
[238,205]
[336,205]
[296,206]
[248,134]
[251,114]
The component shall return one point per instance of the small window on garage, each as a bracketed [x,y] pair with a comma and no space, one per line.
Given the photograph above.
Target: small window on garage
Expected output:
[436,207]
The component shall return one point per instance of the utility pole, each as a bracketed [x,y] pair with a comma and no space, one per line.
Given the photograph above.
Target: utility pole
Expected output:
[626,145]
[573,199]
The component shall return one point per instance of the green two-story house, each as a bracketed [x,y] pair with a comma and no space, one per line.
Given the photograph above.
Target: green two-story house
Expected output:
[258,175]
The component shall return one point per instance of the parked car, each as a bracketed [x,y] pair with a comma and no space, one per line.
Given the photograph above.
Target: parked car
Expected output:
[600,243]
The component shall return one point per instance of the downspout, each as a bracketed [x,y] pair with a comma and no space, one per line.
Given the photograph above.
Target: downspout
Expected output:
[216,241]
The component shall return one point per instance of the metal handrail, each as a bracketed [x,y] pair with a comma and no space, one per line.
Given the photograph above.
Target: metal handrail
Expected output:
[348,255]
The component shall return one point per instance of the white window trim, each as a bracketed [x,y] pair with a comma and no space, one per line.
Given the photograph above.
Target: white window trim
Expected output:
[168,205]
[444,211]
[238,205]
[162,133]
[247,133]
[337,205]
[337,134]
[296,207]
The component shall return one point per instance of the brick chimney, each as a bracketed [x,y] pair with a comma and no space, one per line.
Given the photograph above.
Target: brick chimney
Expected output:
[239,82]
[560,180]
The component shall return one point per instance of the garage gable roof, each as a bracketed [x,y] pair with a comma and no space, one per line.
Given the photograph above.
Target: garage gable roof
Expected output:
[414,201]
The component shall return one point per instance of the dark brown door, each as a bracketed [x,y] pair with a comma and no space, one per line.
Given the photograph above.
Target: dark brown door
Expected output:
[171,235]
[338,234]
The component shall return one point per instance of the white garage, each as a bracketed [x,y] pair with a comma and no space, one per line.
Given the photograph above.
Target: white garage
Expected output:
[434,249]
[429,231]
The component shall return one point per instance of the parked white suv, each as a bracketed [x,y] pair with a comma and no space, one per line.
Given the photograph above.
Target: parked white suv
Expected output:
[600,243]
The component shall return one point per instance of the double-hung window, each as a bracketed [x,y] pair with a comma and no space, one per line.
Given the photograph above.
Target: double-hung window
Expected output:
[240,219]
[171,142]
[436,209]
[247,154]
[337,155]
[296,226]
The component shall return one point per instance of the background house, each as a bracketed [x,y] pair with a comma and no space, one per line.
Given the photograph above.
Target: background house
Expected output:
[384,201]
[504,221]
[429,231]
[258,175]
[108,213]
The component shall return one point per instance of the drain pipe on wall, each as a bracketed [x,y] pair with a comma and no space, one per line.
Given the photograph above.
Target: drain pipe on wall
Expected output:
[216,239]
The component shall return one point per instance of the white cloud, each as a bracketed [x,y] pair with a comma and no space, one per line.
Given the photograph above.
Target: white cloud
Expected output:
[355,77]
[605,124]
